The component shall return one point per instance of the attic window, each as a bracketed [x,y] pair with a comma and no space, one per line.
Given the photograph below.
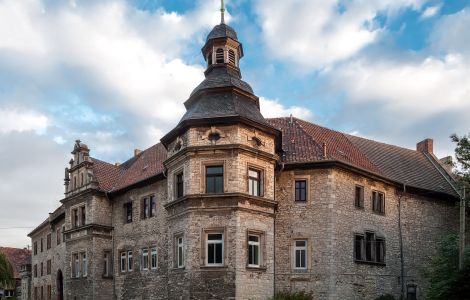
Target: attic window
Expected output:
[219,56]
[209,59]
[231,57]
[214,136]
[178,146]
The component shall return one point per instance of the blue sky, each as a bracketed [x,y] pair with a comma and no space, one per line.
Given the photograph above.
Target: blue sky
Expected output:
[115,74]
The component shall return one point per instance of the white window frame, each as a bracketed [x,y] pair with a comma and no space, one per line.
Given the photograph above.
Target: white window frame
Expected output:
[252,244]
[215,242]
[130,261]
[144,262]
[301,249]
[180,252]
[257,191]
[84,266]
[154,258]
[123,260]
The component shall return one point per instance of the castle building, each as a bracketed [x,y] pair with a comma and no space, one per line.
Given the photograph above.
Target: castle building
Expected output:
[231,205]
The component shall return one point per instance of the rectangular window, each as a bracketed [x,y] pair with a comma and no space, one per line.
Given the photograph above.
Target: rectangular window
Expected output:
[42,245]
[49,292]
[358,247]
[42,269]
[214,179]
[35,270]
[75,217]
[83,215]
[84,265]
[254,251]
[107,264]
[48,267]
[154,258]
[48,241]
[75,265]
[153,206]
[130,261]
[42,292]
[35,248]
[215,249]
[301,190]
[123,263]
[57,233]
[254,182]
[378,202]
[144,261]
[359,196]
[128,212]
[369,248]
[179,252]
[179,185]
[300,254]
[145,208]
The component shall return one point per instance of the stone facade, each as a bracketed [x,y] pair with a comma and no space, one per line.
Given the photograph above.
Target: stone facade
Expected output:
[162,226]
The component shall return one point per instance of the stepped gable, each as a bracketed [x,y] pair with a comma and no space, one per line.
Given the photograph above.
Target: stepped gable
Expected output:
[302,143]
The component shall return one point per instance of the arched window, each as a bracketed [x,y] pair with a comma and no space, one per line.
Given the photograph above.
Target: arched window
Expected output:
[209,59]
[219,56]
[231,57]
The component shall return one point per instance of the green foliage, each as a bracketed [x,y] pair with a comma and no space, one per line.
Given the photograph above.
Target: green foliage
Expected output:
[6,272]
[385,297]
[462,154]
[292,296]
[445,280]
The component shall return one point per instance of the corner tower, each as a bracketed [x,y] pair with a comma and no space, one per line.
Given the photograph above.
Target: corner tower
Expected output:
[220,168]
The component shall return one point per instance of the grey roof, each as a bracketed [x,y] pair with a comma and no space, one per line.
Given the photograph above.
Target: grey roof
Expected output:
[222,77]
[222,31]
[210,106]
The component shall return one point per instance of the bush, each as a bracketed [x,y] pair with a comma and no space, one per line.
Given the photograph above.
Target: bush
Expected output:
[385,297]
[292,296]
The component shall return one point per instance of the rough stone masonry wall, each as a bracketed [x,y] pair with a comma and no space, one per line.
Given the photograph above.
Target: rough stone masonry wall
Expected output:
[151,232]
[41,257]
[329,220]
[311,221]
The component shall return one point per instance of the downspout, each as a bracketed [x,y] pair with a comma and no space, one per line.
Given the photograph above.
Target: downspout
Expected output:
[400,240]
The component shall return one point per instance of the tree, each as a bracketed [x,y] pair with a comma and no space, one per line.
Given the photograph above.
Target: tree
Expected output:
[6,272]
[462,155]
[445,280]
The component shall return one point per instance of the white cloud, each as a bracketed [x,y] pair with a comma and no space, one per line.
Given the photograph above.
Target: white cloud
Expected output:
[451,34]
[273,108]
[335,32]
[15,120]
[430,11]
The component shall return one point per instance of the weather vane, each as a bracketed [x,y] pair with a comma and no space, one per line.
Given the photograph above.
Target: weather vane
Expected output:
[222,12]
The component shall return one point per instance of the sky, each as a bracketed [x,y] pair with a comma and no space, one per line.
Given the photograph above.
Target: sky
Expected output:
[115,74]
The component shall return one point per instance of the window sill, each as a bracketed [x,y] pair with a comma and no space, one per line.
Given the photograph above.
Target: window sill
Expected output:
[378,213]
[359,207]
[221,267]
[107,276]
[373,263]
[256,269]
[300,201]
[300,270]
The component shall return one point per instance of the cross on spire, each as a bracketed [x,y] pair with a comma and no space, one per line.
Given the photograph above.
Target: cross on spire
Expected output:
[222,12]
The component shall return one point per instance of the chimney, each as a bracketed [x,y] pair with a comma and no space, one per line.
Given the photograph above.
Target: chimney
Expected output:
[137,152]
[425,146]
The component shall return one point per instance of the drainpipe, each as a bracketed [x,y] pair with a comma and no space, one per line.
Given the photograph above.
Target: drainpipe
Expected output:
[400,240]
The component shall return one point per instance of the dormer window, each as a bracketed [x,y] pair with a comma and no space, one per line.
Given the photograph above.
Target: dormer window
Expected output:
[219,56]
[231,57]
[209,59]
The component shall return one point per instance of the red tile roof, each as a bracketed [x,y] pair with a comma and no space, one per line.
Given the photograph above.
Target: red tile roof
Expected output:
[17,257]
[140,167]
[302,142]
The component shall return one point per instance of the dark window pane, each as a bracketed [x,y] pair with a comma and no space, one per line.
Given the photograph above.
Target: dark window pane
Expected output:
[300,190]
[297,258]
[218,253]
[214,236]
[211,253]
[358,244]
[219,184]
[215,170]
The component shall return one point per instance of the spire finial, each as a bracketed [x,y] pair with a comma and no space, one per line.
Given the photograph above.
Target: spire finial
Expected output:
[222,12]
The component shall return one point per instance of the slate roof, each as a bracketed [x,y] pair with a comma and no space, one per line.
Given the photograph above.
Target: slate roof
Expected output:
[17,257]
[221,77]
[222,31]
[302,142]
